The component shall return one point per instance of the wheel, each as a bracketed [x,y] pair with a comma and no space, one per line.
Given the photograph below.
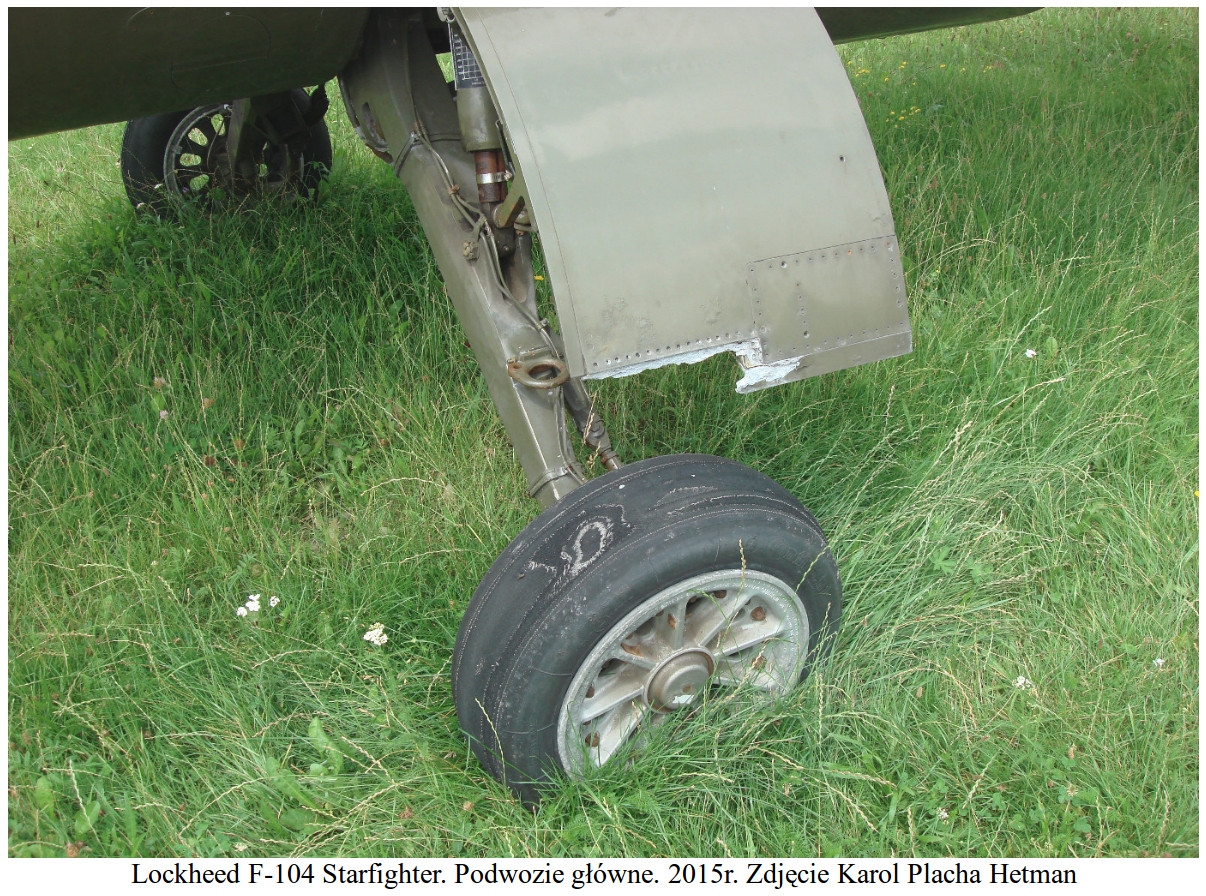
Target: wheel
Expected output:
[627,602]
[175,158]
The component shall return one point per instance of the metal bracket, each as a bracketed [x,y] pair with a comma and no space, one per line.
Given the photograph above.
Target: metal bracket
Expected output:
[538,370]
[510,210]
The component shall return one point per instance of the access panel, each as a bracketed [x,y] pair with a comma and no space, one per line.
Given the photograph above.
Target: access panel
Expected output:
[702,181]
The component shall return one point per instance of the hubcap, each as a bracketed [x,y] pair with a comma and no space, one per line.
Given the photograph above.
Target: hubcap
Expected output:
[729,628]
[679,680]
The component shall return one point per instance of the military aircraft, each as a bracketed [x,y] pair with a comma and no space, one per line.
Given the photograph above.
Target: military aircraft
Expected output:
[700,181]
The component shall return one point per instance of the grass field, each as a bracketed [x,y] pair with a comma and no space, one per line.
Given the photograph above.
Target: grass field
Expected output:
[280,403]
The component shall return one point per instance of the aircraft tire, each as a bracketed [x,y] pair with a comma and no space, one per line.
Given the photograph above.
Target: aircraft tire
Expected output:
[641,591]
[147,143]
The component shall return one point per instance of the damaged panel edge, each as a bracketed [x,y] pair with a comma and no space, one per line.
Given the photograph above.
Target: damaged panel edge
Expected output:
[756,376]
[748,349]
[763,376]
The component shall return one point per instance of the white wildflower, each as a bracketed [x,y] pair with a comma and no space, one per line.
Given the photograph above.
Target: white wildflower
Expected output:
[1031,353]
[163,415]
[943,815]
[1157,662]
[1023,683]
[273,601]
[376,634]
[241,611]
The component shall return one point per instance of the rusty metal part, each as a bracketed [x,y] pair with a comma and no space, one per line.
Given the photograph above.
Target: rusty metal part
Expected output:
[491,176]
[538,371]
[590,425]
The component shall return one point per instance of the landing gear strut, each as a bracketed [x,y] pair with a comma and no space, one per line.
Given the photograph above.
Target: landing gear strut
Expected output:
[634,595]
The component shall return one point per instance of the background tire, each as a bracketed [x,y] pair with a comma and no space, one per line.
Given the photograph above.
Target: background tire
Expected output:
[641,589]
[146,147]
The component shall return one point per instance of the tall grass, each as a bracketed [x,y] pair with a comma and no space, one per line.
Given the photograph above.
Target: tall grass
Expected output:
[1017,672]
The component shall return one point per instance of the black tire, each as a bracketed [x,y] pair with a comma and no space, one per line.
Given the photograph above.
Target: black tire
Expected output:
[145,148]
[703,537]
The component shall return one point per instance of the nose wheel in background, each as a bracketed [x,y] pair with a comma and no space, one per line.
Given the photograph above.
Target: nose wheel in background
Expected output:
[182,158]
[627,603]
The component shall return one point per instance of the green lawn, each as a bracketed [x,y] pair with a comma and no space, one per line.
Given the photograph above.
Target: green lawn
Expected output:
[280,403]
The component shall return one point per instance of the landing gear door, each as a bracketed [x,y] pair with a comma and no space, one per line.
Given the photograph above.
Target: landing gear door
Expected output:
[702,182]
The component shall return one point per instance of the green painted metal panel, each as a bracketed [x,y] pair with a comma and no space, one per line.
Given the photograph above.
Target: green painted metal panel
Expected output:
[703,181]
[73,67]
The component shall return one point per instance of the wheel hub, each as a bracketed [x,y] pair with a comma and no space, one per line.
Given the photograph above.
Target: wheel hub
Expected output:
[729,628]
[678,680]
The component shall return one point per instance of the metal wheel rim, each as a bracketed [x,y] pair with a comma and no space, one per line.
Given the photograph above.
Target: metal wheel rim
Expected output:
[194,159]
[191,158]
[751,625]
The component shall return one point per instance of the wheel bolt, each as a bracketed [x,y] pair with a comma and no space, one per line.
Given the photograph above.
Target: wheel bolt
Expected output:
[758,614]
